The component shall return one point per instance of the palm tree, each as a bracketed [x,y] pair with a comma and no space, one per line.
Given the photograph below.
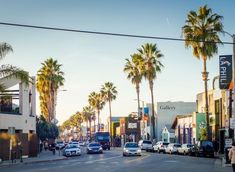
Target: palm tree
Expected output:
[97,102]
[88,113]
[134,69]
[9,71]
[49,79]
[201,32]
[109,93]
[151,66]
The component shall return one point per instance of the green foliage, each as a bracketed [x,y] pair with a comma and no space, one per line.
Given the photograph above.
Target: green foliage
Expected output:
[46,130]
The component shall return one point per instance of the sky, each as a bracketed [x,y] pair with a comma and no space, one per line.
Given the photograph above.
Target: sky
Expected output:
[89,61]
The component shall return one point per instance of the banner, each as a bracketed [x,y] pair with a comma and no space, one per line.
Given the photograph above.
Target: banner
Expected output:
[225,71]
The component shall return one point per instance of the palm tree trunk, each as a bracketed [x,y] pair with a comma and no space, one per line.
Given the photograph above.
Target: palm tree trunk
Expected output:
[110,120]
[98,111]
[152,117]
[90,127]
[205,79]
[138,101]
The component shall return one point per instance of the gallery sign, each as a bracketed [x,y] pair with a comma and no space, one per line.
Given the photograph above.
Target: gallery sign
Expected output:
[225,71]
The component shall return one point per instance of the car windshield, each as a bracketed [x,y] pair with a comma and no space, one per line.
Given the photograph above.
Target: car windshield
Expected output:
[147,142]
[71,146]
[131,145]
[165,143]
[177,145]
[94,144]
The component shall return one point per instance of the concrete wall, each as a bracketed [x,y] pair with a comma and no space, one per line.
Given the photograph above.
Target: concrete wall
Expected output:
[167,111]
[26,120]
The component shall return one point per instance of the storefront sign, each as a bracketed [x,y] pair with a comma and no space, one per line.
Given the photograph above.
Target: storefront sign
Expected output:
[225,70]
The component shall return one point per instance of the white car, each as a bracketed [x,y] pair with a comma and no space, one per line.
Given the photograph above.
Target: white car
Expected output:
[71,150]
[131,148]
[172,148]
[145,145]
[160,146]
[76,143]
[184,149]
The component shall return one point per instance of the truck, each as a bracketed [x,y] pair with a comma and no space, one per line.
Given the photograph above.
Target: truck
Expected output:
[103,138]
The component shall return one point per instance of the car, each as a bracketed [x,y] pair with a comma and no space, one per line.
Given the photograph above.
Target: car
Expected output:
[131,148]
[94,148]
[71,150]
[202,148]
[59,145]
[160,146]
[74,143]
[145,145]
[172,148]
[184,149]
[81,143]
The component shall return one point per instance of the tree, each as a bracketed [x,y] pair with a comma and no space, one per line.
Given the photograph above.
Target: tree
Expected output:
[151,66]
[46,130]
[201,32]
[96,101]
[134,70]
[49,79]
[109,93]
[9,71]
[88,112]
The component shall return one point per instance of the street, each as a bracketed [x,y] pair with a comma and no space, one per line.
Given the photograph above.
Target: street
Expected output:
[112,161]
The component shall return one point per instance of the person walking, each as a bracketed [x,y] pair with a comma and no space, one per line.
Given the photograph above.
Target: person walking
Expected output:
[231,156]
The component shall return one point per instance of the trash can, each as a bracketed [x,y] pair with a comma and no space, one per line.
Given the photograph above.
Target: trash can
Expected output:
[226,151]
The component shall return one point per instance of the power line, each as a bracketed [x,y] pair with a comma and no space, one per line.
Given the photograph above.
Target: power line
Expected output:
[102,33]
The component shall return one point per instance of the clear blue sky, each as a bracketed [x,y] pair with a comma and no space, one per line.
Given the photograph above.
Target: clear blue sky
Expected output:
[91,60]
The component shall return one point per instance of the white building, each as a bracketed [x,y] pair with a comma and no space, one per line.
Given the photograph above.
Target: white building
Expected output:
[165,113]
[18,107]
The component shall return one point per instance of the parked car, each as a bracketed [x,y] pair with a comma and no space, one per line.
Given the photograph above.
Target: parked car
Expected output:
[184,149]
[131,148]
[160,146]
[71,150]
[59,145]
[94,148]
[145,145]
[172,148]
[202,148]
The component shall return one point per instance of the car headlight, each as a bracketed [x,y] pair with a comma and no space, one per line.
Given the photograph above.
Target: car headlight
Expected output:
[100,148]
[139,150]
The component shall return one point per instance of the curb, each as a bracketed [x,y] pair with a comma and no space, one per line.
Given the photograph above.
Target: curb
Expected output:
[31,162]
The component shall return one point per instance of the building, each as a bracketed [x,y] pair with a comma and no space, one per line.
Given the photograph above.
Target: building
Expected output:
[188,128]
[18,117]
[168,134]
[218,101]
[166,113]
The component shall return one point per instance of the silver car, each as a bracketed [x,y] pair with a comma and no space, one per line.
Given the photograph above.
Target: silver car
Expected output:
[71,150]
[131,148]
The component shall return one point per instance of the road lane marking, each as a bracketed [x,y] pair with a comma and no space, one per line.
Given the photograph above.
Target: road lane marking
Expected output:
[137,159]
[98,160]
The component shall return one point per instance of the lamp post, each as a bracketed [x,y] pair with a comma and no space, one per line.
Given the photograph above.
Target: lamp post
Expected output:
[233,109]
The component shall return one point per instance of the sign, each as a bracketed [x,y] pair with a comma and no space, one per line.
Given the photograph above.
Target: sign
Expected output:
[232,123]
[228,142]
[225,71]
[132,125]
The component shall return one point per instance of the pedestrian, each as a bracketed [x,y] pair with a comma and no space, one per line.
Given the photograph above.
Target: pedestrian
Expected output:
[231,156]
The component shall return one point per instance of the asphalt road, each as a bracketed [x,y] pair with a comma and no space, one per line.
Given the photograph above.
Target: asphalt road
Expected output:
[112,161]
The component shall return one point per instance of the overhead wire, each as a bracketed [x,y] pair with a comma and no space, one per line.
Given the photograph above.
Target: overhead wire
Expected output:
[103,33]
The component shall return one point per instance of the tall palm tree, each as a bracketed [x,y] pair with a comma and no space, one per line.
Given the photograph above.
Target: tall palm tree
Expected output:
[88,113]
[134,70]
[201,32]
[97,102]
[151,66]
[49,79]
[9,71]
[109,93]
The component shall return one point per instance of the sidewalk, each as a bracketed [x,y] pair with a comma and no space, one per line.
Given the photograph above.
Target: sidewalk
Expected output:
[44,156]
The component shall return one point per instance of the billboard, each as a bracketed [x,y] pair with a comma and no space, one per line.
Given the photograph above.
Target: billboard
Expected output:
[225,71]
